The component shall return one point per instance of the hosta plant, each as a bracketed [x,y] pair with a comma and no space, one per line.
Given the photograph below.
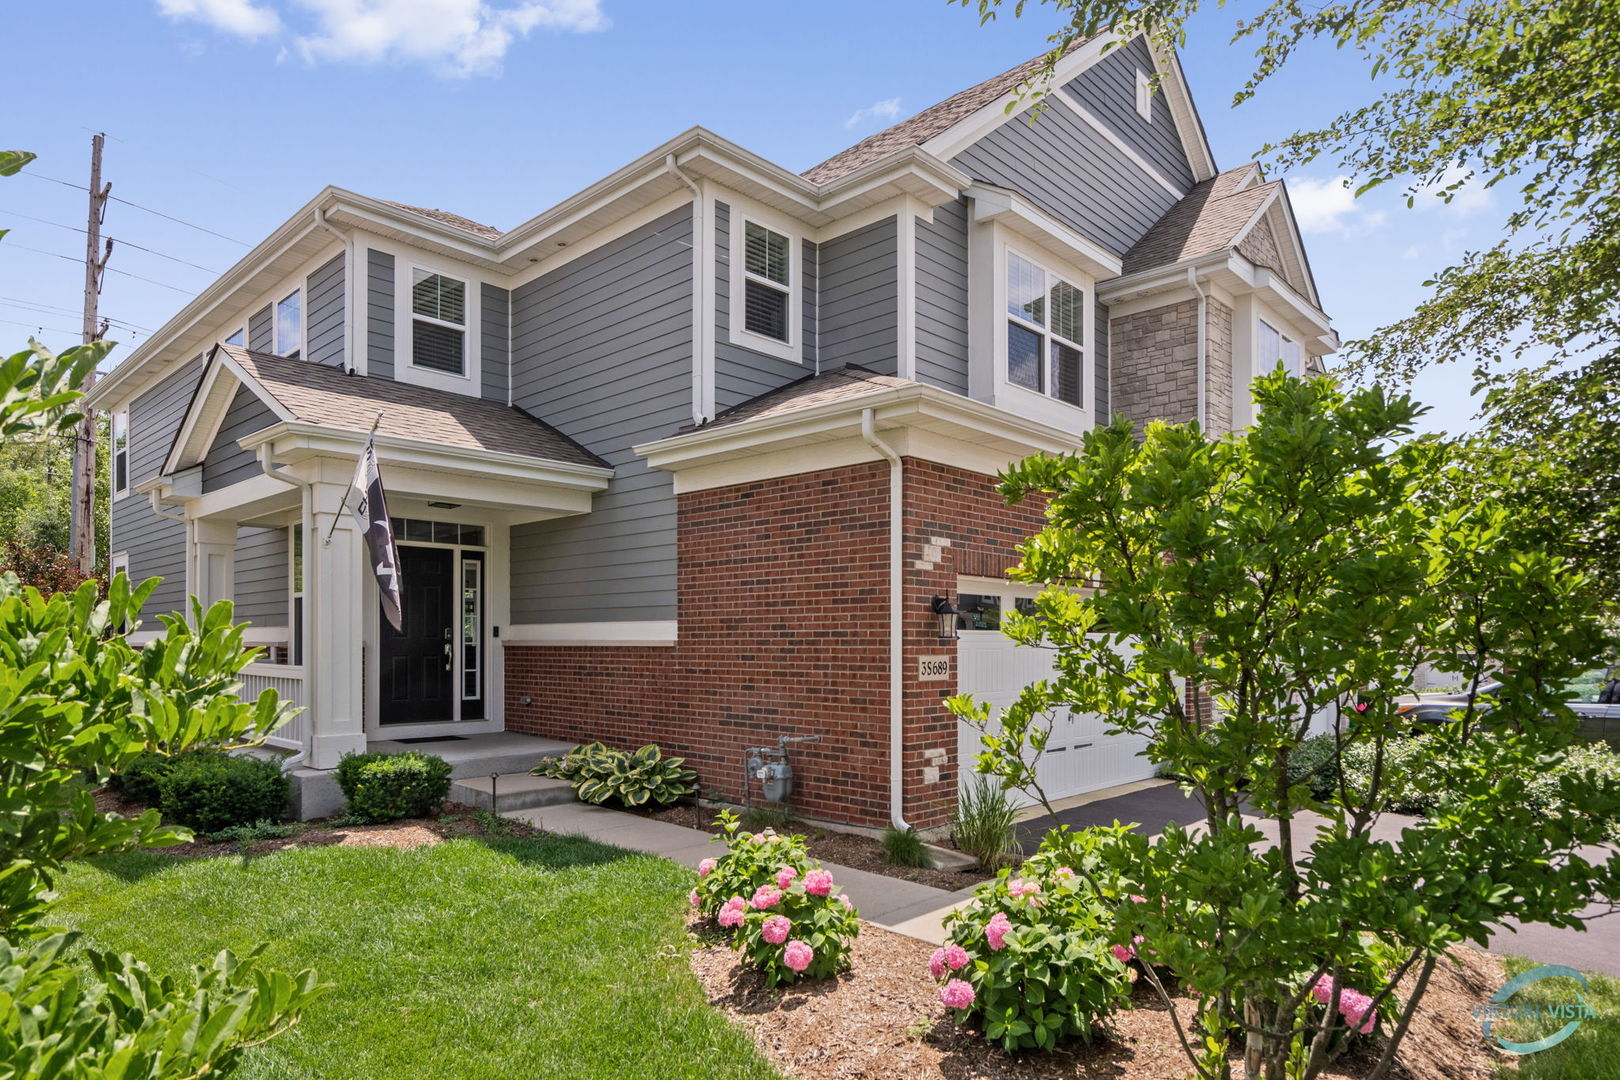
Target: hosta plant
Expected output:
[633,778]
[1030,961]
[785,913]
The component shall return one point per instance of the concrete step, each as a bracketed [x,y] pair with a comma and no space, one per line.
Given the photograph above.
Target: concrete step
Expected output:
[512,791]
[480,755]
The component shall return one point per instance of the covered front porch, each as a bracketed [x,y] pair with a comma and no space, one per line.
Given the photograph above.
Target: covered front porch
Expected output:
[261,475]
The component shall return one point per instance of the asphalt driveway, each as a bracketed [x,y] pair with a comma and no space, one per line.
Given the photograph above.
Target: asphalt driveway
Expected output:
[1597,948]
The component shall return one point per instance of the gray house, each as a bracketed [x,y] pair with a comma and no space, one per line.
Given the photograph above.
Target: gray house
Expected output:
[694,456]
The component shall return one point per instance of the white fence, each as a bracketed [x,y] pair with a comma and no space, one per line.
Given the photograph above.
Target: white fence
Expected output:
[287,681]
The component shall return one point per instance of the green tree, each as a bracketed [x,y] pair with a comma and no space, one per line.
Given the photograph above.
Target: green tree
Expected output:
[1525,95]
[1292,574]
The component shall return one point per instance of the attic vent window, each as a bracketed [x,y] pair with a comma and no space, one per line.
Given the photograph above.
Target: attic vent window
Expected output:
[1144,95]
[767,281]
[438,324]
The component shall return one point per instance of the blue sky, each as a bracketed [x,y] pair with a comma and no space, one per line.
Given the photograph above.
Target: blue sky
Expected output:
[230,114]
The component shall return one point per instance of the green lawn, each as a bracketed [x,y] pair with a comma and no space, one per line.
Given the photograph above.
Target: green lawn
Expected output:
[1592,1052]
[468,960]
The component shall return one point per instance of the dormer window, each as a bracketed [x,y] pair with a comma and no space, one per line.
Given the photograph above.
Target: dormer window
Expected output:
[765,285]
[438,322]
[1276,348]
[289,332]
[1046,331]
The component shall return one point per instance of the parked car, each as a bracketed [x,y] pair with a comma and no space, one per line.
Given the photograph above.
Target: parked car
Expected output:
[1596,704]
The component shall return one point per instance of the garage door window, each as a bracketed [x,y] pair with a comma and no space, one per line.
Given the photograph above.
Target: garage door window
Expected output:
[979,611]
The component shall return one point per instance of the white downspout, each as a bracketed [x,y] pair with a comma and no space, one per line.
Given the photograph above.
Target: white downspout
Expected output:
[1203,361]
[306,507]
[897,700]
[702,313]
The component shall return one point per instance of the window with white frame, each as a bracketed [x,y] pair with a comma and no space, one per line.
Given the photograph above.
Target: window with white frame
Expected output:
[765,286]
[1046,324]
[1144,95]
[118,563]
[438,322]
[289,325]
[238,339]
[1276,348]
[119,433]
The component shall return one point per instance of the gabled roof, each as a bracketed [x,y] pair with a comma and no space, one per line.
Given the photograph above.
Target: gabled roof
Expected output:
[1211,218]
[445,217]
[925,125]
[311,393]
[839,384]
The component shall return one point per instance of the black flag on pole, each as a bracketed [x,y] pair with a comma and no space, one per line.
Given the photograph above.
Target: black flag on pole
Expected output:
[370,509]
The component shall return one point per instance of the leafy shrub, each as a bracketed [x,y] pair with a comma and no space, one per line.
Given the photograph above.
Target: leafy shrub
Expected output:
[138,779]
[637,778]
[783,910]
[1313,763]
[1028,961]
[903,847]
[263,829]
[212,791]
[386,787]
[983,823]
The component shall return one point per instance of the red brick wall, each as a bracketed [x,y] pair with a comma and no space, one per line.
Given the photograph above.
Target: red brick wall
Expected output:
[783,629]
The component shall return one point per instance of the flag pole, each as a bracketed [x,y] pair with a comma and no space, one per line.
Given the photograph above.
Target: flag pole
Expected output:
[344,505]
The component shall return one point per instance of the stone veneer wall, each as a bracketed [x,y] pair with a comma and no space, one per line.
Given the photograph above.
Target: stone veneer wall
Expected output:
[1154,364]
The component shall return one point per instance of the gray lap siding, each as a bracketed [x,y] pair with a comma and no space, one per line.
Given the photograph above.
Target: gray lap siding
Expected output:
[324,296]
[858,304]
[602,349]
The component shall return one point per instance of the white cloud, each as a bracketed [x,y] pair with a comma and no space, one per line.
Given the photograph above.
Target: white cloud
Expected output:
[1330,206]
[240,17]
[887,111]
[454,37]
[1471,197]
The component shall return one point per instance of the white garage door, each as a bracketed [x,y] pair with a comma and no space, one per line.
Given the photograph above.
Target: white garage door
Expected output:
[1079,756]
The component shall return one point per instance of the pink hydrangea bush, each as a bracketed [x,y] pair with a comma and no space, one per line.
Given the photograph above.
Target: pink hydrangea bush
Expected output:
[785,913]
[1028,961]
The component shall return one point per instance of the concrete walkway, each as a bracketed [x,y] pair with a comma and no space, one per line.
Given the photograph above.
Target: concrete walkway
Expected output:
[904,907]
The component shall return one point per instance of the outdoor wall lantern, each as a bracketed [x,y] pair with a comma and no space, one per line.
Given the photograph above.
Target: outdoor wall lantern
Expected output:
[947,613]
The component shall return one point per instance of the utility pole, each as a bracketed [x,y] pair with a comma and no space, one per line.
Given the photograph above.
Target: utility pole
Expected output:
[82,542]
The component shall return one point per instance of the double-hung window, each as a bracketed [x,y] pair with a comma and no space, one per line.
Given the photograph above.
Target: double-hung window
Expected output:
[1277,347]
[1046,331]
[767,282]
[120,453]
[438,322]
[289,333]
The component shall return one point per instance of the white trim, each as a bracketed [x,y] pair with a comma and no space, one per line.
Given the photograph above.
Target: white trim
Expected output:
[652,633]
[1095,123]
[566,252]
[278,346]
[873,214]
[742,212]
[985,119]
[208,407]
[470,382]
[704,299]
[117,562]
[1029,221]
[118,422]
[906,287]
[1144,95]
[1189,128]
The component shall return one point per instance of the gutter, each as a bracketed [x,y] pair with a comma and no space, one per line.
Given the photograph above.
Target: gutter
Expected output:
[306,515]
[702,311]
[1203,348]
[897,701]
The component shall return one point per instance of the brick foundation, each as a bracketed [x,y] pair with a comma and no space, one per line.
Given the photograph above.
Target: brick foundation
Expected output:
[783,629]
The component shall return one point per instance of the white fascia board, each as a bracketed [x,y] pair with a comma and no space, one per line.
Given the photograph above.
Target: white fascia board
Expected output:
[209,406]
[297,440]
[918,405]
[1018,214]
[985,119]
[1232,272]
[1184,111]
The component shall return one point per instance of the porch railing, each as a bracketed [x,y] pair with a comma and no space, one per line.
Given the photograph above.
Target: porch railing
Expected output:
[287,681]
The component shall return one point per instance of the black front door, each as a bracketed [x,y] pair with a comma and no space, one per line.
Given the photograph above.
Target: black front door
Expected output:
[416,666]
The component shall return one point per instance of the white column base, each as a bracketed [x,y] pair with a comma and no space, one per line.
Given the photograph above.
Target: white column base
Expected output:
[326,750]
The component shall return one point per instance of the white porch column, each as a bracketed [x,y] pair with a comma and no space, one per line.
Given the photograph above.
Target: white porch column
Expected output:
[334,597]
[213,553]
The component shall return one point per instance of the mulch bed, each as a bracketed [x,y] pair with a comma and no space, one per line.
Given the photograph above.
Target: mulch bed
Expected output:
[883,1020]
[455,820]
[845,849]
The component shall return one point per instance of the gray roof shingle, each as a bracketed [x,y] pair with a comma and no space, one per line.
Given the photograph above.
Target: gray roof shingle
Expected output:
[926,124]
[445,217]
[839,384]
[320,394]
[1206,220]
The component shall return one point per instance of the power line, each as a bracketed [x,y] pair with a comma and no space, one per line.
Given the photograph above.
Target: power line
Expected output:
[109,269]
[138,206]
[42,329]
[116,240]
[52,309]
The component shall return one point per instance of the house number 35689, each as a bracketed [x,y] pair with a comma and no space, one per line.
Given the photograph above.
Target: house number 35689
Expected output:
[933,668]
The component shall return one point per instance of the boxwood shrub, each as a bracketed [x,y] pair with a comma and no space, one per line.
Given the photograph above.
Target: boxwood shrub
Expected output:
[385,787]
[212,791]
[138,779]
